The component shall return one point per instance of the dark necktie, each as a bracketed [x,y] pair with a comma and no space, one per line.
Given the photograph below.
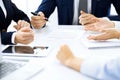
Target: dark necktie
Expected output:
[83,5]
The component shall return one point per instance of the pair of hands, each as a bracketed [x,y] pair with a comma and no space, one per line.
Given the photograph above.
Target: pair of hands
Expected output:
[92,23]
[24,33]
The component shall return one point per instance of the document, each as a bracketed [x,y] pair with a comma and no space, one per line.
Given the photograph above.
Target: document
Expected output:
[99,44]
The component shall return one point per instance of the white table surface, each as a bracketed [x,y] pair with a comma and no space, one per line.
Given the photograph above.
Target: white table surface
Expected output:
[54,36]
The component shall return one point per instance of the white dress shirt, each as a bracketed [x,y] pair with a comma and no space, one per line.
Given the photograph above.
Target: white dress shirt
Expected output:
[117,25]
[76,7]
[3,8]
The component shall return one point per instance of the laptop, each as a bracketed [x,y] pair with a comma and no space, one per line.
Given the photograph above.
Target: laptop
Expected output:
[11,69]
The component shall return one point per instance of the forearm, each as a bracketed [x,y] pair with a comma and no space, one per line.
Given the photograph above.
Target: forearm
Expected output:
[75,63]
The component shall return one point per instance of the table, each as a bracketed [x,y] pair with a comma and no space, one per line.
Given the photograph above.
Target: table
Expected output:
[54,36]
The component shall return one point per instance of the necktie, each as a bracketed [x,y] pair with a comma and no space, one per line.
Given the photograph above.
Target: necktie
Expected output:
[83,5]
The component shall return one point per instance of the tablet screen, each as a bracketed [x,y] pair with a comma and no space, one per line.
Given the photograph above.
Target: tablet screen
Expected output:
[25,50]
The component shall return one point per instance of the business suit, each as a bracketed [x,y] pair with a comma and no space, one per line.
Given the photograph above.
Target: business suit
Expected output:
[100,8]
[13,13]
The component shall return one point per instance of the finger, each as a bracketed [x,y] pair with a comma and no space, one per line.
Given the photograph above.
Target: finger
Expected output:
[27,41]
[26,24]
[16,27]
[38,24]
[19,22]
[38,21]
[35,18]
[88,26]
[22,23]
[25,29]
[27,36]
[85,21]
[103,30]
[98,37]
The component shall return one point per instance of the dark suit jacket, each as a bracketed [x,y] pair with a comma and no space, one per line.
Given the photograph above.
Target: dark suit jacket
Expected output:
[13,13]
[100,8]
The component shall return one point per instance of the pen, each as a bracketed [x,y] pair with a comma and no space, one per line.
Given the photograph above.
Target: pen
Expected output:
[38,15]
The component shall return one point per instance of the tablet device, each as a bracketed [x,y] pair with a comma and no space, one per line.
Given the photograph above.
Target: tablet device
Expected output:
[15,50]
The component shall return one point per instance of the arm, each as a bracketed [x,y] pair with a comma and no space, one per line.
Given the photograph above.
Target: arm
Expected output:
[97,69]
[18,14]
[47,7]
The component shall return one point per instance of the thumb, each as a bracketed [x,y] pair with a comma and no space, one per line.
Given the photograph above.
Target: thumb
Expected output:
[82,12]
[41,14]
[25,29]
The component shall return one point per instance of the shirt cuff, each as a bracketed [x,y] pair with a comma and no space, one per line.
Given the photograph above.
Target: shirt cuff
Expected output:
[106,18]
[117,25]
[13,37]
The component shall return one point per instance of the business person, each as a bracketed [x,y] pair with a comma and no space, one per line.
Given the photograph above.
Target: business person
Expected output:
[68,11]
[97,69]
[9,12]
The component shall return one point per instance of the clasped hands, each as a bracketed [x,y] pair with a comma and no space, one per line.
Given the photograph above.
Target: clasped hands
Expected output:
[24,33]
[92,23]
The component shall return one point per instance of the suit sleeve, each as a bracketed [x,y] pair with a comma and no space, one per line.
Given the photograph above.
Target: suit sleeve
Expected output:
[109,70]
[18,14]
[47,7]
[6,38]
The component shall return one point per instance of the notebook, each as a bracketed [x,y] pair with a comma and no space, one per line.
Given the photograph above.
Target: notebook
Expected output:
[18,70]
[99,44]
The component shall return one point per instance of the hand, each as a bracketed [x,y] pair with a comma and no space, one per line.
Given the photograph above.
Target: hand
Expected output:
[100,25]
[38,21]
[65,55]
[24,36]
[110,33]
[20,24]
[67,58]
[86,18]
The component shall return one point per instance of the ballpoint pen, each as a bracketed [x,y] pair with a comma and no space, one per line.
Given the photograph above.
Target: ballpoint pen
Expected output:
[36,14]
